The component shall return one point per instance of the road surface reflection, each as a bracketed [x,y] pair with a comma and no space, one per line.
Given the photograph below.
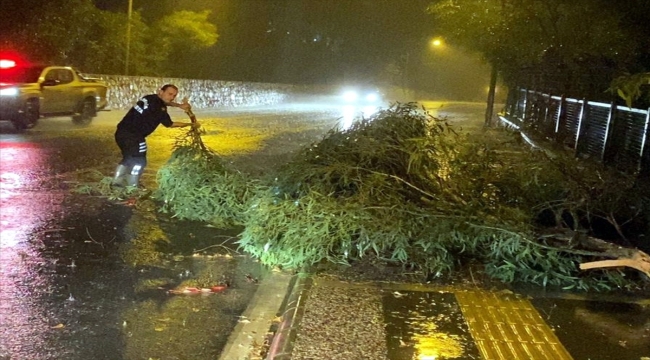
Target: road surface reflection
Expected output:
[23,269]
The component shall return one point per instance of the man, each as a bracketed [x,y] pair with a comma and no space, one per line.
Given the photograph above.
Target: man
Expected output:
[140,121]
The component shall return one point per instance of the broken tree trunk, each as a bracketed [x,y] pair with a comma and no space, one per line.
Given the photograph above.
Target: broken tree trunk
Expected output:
[639,261]
[623,256]
[620,256]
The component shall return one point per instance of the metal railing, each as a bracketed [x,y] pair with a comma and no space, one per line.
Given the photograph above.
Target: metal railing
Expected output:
[612,134]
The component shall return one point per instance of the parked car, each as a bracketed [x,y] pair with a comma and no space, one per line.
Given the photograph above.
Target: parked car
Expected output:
[31,91]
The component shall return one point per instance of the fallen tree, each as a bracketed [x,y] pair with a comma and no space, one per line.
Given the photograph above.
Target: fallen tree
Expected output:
[409,189]
[195,184]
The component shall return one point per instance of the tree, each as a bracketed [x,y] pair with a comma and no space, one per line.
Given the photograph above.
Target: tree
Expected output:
[552,44]
[75,32]
[630,87]
[47,32]
[105,49]
[178,36]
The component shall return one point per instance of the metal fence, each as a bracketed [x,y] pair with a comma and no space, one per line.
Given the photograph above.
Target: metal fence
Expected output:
[614,135]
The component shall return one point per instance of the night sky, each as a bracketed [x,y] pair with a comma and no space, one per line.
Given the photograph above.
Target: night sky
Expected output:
[312,41]
[321,42]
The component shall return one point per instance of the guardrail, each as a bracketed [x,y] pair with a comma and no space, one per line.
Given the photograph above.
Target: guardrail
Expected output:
[615,135]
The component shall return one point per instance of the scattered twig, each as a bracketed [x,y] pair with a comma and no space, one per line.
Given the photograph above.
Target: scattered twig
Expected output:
[219,245]
[93,240]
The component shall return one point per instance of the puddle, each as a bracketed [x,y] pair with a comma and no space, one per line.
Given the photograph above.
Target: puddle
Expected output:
[426,326]
[598,329]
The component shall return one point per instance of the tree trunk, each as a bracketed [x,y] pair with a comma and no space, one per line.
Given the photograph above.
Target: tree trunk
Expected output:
[490,99]
[616,256]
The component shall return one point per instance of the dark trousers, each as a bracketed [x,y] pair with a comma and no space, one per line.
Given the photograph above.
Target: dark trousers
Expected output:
[133,148]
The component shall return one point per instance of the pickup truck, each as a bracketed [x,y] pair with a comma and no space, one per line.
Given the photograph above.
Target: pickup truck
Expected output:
[30,91]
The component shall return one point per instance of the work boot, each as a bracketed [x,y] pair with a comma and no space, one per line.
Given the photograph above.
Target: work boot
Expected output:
[120,174]
[133,178]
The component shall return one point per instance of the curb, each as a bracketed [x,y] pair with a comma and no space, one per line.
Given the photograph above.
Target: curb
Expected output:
[292,310]
[250,334]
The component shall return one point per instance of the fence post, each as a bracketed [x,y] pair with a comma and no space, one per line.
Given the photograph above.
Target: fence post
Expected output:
[521,104]
[546,104]
[644,163]
[546,122]
[560,121]
[511,103]
[612,134]
[515,103]
[534,109]
[525,116]
[582,128]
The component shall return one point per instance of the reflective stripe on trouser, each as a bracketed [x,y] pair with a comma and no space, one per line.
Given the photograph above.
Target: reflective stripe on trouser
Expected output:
[138,164]
[142,147]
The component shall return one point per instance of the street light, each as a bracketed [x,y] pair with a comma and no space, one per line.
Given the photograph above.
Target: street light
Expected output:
[437,47]
[436,44]
[128,38]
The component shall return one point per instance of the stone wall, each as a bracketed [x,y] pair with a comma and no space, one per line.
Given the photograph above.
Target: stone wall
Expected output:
[124,91]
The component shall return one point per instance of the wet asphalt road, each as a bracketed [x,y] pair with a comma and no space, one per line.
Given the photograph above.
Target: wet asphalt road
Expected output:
[83,277]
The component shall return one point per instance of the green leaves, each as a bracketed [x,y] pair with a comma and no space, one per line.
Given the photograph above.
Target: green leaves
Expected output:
[189,28]
[401,188]
[547,41]
[628,87]
[195,185]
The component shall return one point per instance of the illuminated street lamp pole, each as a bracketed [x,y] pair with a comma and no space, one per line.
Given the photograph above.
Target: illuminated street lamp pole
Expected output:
[128,38]
[436,44]
[408,70]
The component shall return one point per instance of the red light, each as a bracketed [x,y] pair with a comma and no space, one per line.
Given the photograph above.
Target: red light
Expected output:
[6,64]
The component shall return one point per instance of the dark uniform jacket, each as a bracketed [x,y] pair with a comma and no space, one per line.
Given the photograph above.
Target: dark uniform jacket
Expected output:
[145,116]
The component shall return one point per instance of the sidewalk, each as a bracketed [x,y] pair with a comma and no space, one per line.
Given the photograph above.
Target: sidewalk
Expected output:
[325,318]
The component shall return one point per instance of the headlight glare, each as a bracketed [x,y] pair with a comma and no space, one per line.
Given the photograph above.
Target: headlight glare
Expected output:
[372,97]
[12,91]
[350,96]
